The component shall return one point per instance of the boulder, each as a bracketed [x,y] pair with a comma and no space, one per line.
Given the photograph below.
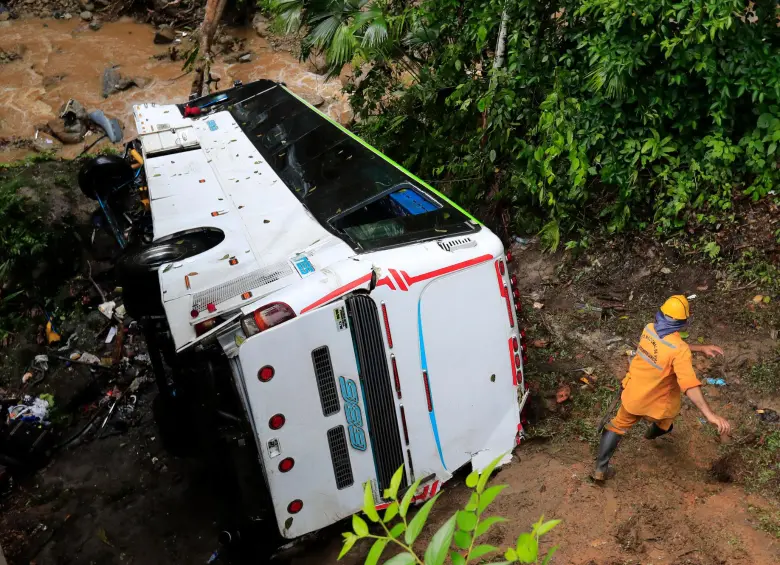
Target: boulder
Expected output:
[316,63]
[67,133]
[114,82]
[86,15]
[261,25]
[45,142]
[312,98]
[164,35]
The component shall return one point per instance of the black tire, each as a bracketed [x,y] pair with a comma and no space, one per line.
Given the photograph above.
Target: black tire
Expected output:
[103,173]
[137,268]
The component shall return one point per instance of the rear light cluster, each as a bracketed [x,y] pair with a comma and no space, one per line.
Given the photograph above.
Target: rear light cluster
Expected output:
[266,317]
[518,309]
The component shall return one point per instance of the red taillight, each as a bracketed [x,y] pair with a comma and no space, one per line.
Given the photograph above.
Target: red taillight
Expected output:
[517,362]
[266,317]
[501,267]
[516,294]
[276,421]
[508,257]
[513,280]
[286,464]
[403,421]
[395,376]
[211,307]
[266,374]
[387,328]
[515,344]
[194,313]
[204,326]
[522,334]
[427,391]
[295,506]
[509,307]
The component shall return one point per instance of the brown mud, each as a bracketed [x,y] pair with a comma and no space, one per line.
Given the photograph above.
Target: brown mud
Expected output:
[65,59]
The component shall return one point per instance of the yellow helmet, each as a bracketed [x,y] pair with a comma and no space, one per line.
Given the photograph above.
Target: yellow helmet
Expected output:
[677,307]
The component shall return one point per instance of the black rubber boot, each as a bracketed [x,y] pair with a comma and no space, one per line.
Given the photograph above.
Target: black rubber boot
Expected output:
[654,431]
[607,446]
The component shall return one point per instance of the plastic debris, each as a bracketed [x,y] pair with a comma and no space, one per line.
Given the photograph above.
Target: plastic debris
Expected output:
[213,558]
[768,415]
[111,334]
[587,308]
[107,309]
[111,126]
[538,305]
[51,335]
[716,382]
[41,362]
[90,359]
[666,271]
[143,358]
[32,409]
[120,312]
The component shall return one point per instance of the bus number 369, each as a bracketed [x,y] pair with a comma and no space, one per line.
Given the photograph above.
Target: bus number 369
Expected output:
[349,391]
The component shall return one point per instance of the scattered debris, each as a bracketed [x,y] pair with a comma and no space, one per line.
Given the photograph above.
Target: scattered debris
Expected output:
[111,334]
[32,409]
[666,271]
[715,382]
[111,126]
[107,309]
[538,305]
[768,415]
[70,127]
[43,142]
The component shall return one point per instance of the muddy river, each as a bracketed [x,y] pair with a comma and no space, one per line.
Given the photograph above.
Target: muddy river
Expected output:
[65,59]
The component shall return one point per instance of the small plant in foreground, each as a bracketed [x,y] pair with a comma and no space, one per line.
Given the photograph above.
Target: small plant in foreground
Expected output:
[456,538]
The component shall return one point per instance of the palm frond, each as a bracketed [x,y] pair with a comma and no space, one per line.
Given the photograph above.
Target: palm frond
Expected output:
[324,33]
[342,47]
[375,34]
[420,36]
[290,13]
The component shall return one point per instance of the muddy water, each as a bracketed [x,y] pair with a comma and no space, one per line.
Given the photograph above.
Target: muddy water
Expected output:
[65,59]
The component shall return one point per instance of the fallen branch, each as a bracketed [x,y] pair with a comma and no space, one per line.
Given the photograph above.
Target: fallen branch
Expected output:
[89,276]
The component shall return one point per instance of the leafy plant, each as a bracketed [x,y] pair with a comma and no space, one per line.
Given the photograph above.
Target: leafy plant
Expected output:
[597,113]
[457,538]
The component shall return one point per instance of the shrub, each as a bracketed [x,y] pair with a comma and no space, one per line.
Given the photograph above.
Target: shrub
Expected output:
[457,538]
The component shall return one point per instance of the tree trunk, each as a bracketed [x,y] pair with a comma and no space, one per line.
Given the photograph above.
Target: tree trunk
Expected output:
[498,62]
[201,83]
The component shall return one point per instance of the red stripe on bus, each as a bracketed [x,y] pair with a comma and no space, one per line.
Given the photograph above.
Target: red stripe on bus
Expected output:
[338,292]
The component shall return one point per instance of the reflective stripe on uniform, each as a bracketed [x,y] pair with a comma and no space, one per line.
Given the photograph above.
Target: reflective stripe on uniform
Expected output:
[655,335]
[646,358]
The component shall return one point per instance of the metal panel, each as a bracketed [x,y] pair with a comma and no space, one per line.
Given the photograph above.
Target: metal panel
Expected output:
[326,380]
[377,388]
[339,455]
[236,287]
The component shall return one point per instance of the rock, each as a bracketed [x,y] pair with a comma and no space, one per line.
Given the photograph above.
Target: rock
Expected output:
[114,82]
[50,82]
[86,15]
[72,110]
[89,7]
[45,142]
[317,63]
[261,25]
[245,58]
[164,35]
[95,25]
[70,133]
[67,16]
[313,98]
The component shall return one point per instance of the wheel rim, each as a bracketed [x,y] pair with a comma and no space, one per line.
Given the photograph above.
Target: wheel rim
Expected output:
[159,254]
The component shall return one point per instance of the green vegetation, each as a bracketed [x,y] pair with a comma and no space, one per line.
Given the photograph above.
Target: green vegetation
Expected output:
[457,538]
[765,377]
[767,520]
[617,113]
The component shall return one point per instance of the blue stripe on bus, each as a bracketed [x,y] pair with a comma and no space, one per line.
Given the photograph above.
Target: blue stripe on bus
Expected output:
[424,363]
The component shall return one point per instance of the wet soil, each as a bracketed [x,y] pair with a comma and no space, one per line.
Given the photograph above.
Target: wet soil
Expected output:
[62,59]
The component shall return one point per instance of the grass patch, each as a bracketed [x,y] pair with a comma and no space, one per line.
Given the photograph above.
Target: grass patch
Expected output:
[768,520]
[765,377]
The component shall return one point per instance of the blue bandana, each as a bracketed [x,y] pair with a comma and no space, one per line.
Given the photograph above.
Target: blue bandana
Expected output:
[665,325]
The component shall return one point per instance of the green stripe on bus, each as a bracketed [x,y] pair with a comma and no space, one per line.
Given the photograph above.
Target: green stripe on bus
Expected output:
[385,157]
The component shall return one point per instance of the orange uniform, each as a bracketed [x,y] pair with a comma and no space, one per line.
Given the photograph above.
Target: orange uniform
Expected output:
[658,374]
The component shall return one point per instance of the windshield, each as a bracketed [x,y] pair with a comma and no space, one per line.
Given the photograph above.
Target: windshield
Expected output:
[346,186]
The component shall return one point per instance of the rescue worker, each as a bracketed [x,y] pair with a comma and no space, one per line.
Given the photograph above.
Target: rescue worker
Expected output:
[659,372]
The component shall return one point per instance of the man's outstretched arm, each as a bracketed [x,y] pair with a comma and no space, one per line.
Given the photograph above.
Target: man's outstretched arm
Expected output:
[698,399]
[708,350]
